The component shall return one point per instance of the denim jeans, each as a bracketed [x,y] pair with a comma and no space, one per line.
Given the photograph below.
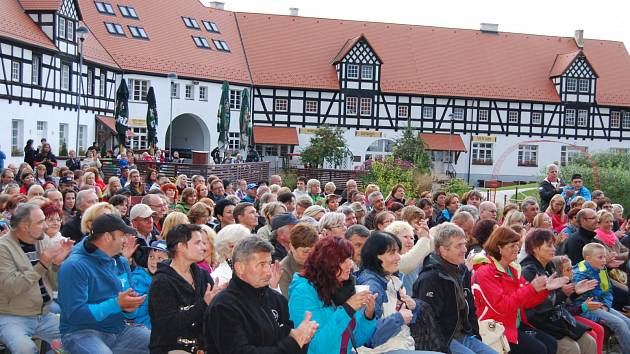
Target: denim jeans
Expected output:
[615,321]
[470,345]
[16,332]
[131,340]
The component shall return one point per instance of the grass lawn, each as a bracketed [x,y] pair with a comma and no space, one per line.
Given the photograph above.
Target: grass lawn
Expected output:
[523,195]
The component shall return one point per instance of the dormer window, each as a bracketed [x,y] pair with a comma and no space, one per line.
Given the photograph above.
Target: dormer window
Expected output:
[367,72]
[584,85]
[352,71]
[114,28]
[211,26]
[190,22]
[128,11]
[104,8]
[572,84]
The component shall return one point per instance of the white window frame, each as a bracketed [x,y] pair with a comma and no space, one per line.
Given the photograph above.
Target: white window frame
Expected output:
[625,122]
[311,106]
[367,72]
[569,117]
[281,105]
[483,115]
[482,153]
[35,67]
[17,137]
[102,84]
[16,71]
[513,117]
[584,85]
[203,93]
[235,99]
[65,77]
[536,118]
[41,129]
[189,92]
[62,27]
[403,111]
[427,112]
[352,71]
[568,153]
[615,119]
[89,81]
[352,105]
[64,129]
[139,140]
[174,90]
[83,131]
[582,118]
[572,84]
[528,155]
[70,30]
[458,113]
[139,89]
[234,141]
[365,107]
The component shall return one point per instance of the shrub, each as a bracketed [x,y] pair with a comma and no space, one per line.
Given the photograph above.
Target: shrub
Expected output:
[390,171]
[457,186]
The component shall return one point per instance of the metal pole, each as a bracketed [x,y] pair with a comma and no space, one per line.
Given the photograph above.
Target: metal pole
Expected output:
[79,86]
[172,77]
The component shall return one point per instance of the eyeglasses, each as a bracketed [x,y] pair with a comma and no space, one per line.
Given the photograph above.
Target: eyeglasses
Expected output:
[53,220]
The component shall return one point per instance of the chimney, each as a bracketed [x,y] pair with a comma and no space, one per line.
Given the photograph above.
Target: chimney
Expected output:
[293,11]
[489,27]
[217,5]
[579,38]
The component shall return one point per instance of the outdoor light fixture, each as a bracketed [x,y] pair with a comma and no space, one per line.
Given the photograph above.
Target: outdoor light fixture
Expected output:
[82,33]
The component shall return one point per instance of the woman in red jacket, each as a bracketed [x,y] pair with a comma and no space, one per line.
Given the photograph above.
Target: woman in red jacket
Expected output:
[502,294]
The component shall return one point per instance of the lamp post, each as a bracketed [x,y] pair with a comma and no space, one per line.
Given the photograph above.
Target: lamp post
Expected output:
[81,33]
[172,77]
[450,137]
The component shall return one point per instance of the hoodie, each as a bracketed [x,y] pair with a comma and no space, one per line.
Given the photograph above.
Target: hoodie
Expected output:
[89,282]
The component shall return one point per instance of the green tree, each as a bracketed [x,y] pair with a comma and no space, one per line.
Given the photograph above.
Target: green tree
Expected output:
[327,146]
[410,147]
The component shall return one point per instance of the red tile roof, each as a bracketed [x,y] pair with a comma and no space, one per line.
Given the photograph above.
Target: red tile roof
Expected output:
[15,24]
[295,51]
[275,136]
[170,47]
[443,142]
[110,123]
[562,63]
[40,5]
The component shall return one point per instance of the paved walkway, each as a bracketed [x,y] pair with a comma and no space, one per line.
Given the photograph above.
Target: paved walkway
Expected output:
[505,195]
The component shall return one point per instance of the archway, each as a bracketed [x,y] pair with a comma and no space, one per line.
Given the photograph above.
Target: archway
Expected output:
[189,133]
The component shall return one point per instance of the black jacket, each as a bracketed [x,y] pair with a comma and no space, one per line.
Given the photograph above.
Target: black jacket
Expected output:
[176,309]
[72,228]
[438,288]
[73,164]
[242,319]
[546,191]
[574,244]
[551,316]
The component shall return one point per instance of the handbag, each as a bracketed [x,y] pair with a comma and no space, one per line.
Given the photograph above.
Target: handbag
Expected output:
[492,332]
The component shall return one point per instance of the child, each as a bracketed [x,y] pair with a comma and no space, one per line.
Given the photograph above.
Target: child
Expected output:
[142,278]
[596,305]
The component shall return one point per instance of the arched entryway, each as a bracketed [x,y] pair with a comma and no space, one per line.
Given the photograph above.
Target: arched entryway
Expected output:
[189,133]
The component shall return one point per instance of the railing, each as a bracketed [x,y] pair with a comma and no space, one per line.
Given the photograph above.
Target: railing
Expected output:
[324,175]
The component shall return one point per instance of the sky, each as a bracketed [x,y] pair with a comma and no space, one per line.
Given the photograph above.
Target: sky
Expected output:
[602,19]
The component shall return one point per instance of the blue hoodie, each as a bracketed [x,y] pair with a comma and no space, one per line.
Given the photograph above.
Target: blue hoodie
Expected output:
[141,279]
[89,283]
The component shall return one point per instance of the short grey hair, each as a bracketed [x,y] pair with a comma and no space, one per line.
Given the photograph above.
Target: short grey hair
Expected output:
[374,195]
[231,234]
[346,210]
[22,214]
[359,230]
[486,205]
[330,220]
[444,233]
[248,246]
[527,202]
[469,209]
[81,195]
[551,166]
[582,214]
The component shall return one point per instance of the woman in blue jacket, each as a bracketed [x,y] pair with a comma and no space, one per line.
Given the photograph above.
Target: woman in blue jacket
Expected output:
[326,289]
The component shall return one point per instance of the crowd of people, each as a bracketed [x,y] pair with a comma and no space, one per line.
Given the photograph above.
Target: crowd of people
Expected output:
[140,263]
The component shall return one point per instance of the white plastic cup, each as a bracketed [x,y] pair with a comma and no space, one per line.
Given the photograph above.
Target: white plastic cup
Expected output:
[360,288]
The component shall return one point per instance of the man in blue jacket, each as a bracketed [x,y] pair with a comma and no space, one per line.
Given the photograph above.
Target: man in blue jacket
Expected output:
[96,296]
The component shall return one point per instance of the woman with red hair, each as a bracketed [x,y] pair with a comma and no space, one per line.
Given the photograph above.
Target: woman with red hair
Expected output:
[326,289]
[171,193]
[53,215]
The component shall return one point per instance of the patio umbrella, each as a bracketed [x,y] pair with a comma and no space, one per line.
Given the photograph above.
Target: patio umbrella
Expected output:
[223,116]
[244,119]
[122,114]
[152,120]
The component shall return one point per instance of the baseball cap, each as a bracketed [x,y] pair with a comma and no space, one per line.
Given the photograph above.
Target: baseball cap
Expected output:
[123,164]
[110,222]
[252,186]
[328,196]
[159,245]
[282,220]
[140,211]
[66,180]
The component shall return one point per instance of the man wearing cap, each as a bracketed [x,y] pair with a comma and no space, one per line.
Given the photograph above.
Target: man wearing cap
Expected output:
[66,183]
[281,226]
[28,264]
[141,217]
[245,214]
[96,294]
[72,229]
[250,193]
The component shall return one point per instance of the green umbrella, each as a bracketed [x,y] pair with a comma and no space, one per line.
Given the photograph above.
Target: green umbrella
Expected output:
[245,128]
[122,113]
[223,116]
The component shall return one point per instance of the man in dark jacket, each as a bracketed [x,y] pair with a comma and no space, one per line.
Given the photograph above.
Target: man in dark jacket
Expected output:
[587,221]
[549,187]
[444,283]
[249,316]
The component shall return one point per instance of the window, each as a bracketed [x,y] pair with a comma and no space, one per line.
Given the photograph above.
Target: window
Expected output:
[139,140]
[105,8]
[626,120]
[458,114]
[190,22]
[139,89]
[621,151]
[365,109]
[201,42]
[203,93]
[569,117]
[16,70]
[35,67]
[17,137]
[282,104]
[572,84]
[311,106]
[42,130]
[65,77]
[568,153]
[536,118]
[138,32]
[381,148]
[90,81]
[528,155]
[221,45]
[513,117]
[62,27]
[351,106]
[234,141]
[70,33]
[63,135]
[615,119]
[210,26]
[103,84]
[367,72]
[114,28]
[427,112]
[189,92]
[482,153]
[403,111]
[582,118]
[128,11]
[174,90]
[235,99]
[584,85]
[483,115]
[352,71]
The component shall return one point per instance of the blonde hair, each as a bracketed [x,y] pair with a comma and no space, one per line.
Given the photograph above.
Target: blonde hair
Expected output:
[330,188]
[94,211]
[397,227]
[370,188]
[591,248]
[33,189]
[589,205]
[557,197]
[108,188]
[274,188]
[85,177]
[514,217]
[173,219]
[604,215]
[210,237]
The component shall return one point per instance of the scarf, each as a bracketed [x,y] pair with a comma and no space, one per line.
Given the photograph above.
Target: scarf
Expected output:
[608,238]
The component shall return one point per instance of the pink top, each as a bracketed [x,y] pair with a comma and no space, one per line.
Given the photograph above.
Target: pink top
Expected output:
[205,266]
